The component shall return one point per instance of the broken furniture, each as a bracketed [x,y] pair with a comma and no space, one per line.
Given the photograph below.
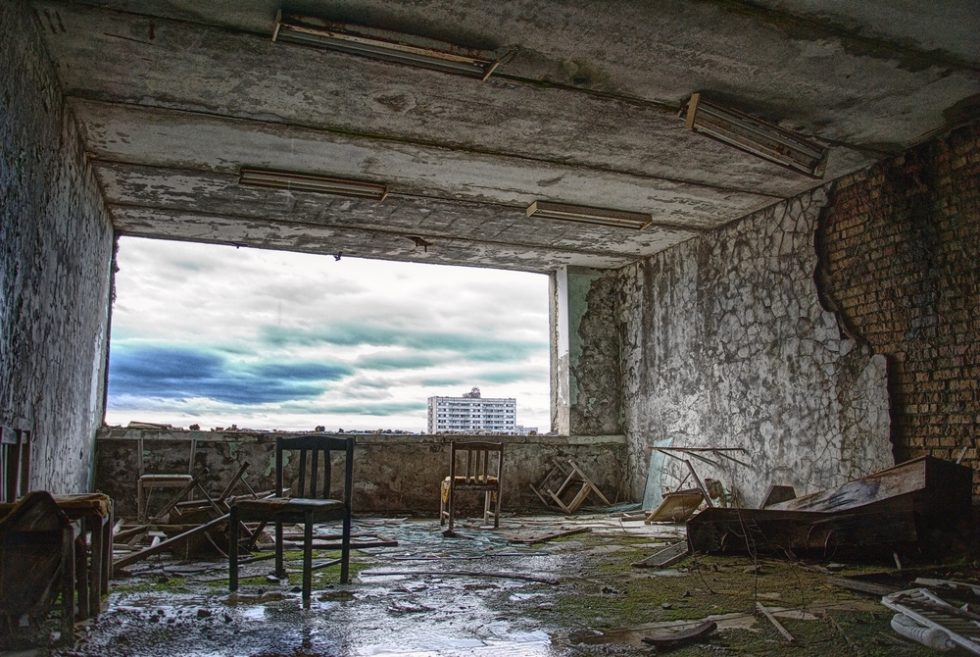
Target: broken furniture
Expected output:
[91,513]
[677,506]
[37,562]
[482,471]
[147,483]
[306,509]
[566,487]
[15,462]
[924,616]
[711,488]
[916,505]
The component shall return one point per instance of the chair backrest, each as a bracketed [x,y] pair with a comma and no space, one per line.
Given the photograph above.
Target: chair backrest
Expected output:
[314,457]
[15,463]
[483,460]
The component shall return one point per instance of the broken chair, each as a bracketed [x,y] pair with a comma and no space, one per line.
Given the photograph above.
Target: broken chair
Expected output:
[312,505]
[480,471]
[566,487]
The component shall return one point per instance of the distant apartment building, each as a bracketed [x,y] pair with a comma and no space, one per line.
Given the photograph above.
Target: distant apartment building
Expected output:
[472,413]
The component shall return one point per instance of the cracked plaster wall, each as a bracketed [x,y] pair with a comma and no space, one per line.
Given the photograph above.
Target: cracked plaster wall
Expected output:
[55,255]
[725,344]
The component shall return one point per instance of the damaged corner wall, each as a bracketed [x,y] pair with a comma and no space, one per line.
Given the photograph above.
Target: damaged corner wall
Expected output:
[55,260]
[901,251]
[725,343]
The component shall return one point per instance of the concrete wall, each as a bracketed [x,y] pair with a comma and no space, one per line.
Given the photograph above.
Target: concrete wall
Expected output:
[585,377]
[55,255]
[901,255]
[725,343]
[393,474]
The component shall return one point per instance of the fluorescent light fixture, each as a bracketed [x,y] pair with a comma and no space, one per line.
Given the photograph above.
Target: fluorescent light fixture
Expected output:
[382,44]
[755,136]
[304,182]
[589,215]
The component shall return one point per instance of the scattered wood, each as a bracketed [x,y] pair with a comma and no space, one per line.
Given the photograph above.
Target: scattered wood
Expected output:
[665,557]
[323,545]
[544,538]
[775,623]
[170,542]
[669,639]
[677,506]
[862,586]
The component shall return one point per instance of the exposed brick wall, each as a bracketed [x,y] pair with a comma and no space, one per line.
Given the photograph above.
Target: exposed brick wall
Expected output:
[900,263]
[55,256]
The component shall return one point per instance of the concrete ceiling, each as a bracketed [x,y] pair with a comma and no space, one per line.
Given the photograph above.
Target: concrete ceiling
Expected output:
[174,96]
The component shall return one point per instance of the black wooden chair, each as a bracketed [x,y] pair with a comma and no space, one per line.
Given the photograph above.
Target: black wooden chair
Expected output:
[312,504]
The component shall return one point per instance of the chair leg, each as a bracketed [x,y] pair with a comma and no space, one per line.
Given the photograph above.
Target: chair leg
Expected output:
[68,585]
[233,551]
[442,504]
[496,513]
[452,494]
[280,568]
[307,558]
[486,507]
[345,550]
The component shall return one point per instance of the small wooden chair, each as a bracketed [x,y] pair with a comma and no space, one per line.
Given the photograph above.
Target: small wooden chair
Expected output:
[482,472]
[306,508]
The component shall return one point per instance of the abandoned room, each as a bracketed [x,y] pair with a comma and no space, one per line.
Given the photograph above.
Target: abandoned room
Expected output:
[759,226]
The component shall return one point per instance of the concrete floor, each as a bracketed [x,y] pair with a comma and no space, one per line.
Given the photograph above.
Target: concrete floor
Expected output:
[478,594]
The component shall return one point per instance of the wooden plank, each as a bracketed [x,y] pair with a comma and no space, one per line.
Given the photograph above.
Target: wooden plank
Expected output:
[862,586]
[170,542]
[775,623]
[665,557]
[544,538]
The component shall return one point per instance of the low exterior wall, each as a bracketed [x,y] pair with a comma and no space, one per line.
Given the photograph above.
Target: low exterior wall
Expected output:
[394,474]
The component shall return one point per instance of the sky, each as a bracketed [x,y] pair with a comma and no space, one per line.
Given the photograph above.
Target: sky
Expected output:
[217,335]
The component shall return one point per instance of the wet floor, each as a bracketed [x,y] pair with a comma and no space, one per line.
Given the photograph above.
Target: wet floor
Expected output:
[430,596]
[482,594]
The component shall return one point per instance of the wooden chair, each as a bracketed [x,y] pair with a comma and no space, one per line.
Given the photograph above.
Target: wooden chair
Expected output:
[481,471]
[311,505]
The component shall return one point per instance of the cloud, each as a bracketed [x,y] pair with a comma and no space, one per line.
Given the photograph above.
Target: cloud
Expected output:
[180,372]
[226,335]
[401,361]
[477,347]
[380,409]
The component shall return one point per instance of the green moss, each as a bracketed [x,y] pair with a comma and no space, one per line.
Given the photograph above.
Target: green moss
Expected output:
[155,585]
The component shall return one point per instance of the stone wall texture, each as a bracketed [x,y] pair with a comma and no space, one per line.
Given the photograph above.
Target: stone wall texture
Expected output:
[393,474]
[55,260]
[900,245]
[725,343]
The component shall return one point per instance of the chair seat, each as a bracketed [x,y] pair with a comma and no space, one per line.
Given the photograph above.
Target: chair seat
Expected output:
[290,509]
[472,481]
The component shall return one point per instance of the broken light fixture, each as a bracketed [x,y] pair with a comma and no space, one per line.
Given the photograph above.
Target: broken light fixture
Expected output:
[589,215]
[755,136]
[305,182]
[382,44]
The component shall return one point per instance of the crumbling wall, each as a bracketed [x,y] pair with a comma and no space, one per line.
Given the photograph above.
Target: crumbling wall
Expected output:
[725,344]
[55,255]
[393,474]
[901,264]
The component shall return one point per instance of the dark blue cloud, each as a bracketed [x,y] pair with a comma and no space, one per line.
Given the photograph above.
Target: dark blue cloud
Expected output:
[475,347]
[178,372]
